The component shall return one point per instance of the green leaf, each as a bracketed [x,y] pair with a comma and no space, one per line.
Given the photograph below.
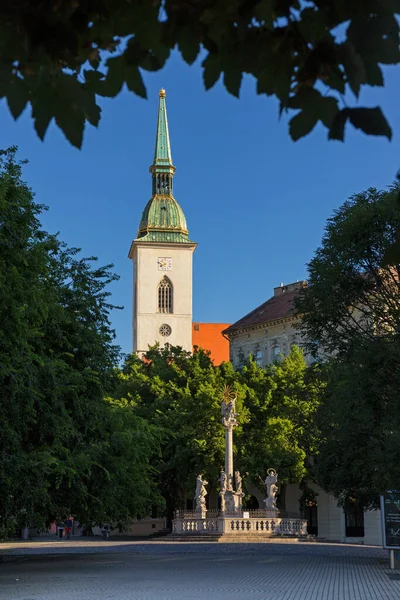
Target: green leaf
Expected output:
[134,81]
[17,97]
[93,79]
[374,75]
[305,97]
[336,131]
[42,116]
[354,67]
[232,81]
[264,13]
[120,72]
[327,111]
[93,114]
[112,84]
[265,83]
[212,71]
[320,108]
[43,106]
[71,124]
[312,25]
[67,100]
[189,45]
[371,121]
[301,124]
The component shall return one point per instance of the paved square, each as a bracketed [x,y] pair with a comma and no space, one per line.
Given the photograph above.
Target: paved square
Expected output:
[178,571]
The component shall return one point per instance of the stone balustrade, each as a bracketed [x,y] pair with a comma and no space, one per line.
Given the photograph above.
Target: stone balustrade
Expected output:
[239,526]
[191,525]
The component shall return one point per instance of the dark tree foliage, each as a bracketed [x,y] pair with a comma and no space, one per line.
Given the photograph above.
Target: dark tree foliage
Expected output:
[63,448]
[55,55]
[351,295]
[359,420]
[351,312]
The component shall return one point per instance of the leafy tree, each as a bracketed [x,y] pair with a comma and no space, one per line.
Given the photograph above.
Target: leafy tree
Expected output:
[359,457]
[63,448]
[351,310]
[281,432]
[56,55]
[180,394]
[351,298]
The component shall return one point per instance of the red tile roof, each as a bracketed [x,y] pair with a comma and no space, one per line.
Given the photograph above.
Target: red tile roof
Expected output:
[277,307]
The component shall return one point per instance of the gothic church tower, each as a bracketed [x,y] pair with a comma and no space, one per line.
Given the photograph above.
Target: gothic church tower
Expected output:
[162,256]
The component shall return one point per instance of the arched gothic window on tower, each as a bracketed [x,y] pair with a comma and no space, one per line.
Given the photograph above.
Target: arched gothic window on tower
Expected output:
[165,296]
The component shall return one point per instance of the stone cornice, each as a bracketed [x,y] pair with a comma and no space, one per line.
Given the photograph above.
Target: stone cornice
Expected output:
[259,326]
[161,245]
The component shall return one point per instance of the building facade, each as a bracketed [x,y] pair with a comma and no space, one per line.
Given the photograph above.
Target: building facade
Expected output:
[162,256]
[268,332]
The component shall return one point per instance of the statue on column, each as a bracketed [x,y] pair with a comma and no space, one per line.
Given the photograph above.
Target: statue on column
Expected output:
[228,408]
[272,489]
[200,495]
[231,482]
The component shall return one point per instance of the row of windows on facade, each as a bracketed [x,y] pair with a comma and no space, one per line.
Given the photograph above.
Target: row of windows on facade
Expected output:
[258,356]
[275,355]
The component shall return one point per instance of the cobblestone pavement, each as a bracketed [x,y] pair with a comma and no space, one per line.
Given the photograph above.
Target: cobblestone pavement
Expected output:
[194,571]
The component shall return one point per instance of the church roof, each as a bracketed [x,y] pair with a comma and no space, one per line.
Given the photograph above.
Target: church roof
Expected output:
[280,306]
[163,220]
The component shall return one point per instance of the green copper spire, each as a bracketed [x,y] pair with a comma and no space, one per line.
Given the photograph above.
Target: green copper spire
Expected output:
[163,219]
[162,168]
[162,152]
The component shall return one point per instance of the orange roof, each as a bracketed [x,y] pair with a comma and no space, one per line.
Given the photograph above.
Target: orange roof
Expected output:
[209,337]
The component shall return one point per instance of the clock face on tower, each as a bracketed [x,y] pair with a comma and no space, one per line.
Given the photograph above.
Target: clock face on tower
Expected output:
[164,263]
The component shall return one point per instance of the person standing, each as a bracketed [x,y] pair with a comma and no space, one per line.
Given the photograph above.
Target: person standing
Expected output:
[60,529]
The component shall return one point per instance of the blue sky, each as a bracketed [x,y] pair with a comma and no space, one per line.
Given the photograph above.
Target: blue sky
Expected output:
[255,201]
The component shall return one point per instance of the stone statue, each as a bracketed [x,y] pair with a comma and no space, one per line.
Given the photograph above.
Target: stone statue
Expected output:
[238,482]
[228,408]
[201,493]
[230,503]
[223,481]
[272,489]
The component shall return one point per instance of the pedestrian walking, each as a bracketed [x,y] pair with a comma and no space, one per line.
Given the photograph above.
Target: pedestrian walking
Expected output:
[68,528]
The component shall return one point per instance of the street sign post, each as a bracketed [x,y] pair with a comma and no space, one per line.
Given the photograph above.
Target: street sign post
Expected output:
[390,510]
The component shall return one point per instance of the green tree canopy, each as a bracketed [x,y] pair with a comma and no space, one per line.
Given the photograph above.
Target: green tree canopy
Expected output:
[351,311]
[359,420]
[280,432]
[55,55]
[63,448]
[351,297]
[180,394]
